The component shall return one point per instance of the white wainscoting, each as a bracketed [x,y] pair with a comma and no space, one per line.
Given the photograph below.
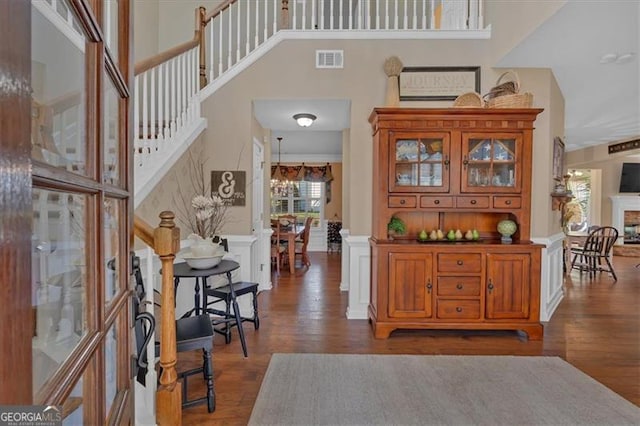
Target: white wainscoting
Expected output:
[264,267]
[359,275]
[551,275]
[344,274]
[318,238]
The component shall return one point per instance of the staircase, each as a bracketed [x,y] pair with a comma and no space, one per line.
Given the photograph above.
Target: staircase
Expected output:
[169,87]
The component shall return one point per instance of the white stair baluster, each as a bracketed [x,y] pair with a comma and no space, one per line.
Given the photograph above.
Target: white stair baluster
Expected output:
[275,16]
[266,20]
[257,38]
[220,54]
[314,18]
[229,38]
[247,46]
[167,99]
[237,30]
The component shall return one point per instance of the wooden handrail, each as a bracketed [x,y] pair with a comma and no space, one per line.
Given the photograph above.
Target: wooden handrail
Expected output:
[218,10]
[165,240]
[155,60]
[147,64]
[143,230]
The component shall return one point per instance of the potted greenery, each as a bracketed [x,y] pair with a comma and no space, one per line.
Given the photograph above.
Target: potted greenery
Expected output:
[396,227]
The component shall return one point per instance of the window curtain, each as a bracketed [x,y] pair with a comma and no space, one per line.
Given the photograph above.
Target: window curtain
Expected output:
[307,173]
[303,172]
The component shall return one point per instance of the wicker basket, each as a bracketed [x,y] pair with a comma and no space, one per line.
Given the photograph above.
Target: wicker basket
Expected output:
[520,100]
[469,100]
[506,94]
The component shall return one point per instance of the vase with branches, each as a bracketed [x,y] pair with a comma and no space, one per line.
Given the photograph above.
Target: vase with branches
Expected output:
[198,209]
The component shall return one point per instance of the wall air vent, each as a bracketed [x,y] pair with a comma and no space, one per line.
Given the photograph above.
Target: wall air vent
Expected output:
[329,58]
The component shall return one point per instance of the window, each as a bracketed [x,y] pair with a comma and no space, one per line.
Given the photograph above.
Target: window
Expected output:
[579,209]
[300,198]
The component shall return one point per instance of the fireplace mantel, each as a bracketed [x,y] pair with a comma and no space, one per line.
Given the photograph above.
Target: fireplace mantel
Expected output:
[619,204]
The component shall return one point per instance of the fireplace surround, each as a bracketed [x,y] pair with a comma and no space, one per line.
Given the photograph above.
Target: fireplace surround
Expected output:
[625,217]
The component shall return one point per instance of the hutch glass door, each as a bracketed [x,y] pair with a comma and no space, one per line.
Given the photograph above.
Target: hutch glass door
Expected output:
[419,162]
[491,163]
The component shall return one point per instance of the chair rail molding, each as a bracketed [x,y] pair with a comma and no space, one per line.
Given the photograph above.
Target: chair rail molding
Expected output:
[359,276]
[551,274]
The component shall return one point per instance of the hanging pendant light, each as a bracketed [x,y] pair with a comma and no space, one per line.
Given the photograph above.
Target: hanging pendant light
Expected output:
[279,184]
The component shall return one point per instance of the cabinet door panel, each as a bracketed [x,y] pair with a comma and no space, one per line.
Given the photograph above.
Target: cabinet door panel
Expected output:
[508,286]
[491,162]
[419,162]
[410,285]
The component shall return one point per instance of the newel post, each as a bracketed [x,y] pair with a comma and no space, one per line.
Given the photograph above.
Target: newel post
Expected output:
[168,396]
[285,14]
[200,20]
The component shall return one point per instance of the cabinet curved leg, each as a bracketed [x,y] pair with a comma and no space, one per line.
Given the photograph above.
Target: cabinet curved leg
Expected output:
[534,332]
[382,331]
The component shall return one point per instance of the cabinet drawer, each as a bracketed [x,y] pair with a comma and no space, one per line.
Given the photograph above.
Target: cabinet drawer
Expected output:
[480,202]
[408,201]
[427,201]
[506,202]
[458,309]
[459,262]
[458,286]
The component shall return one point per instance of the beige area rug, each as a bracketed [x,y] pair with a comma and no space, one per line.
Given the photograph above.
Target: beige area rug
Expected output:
[318,389]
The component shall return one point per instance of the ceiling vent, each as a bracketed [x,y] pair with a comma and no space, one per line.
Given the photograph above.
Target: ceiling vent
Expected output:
[329,58]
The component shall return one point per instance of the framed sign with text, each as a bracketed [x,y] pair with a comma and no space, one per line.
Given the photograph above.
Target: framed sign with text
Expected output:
[230,185]
[437,83]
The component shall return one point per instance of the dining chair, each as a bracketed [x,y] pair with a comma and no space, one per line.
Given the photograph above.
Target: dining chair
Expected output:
[228,293]
[278,249]
[288,221]
[302,243]
[192,333]
[597,247]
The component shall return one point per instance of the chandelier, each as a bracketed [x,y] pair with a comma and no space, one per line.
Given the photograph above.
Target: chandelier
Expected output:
[279,184]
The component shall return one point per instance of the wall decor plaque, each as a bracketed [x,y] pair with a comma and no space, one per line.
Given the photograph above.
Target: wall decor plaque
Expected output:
[230,185]
[437,83]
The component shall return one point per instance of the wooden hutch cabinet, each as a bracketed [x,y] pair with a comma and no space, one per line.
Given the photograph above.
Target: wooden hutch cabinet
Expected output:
[453,169]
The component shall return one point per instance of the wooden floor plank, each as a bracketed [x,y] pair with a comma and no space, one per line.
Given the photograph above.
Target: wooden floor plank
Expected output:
[596,328]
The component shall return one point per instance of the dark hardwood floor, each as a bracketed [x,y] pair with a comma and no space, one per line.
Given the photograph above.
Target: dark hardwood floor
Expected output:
[596,328]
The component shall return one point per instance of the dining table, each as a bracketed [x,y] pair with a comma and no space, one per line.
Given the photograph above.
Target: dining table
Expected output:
[289,234]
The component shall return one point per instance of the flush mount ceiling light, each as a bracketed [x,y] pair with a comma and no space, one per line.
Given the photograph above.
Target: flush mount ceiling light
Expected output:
[621,58]
[624,58]
[608,58]
[304,119]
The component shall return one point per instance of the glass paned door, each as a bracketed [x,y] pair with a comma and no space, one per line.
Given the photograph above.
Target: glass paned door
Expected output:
[419,163]
[491,164]
[79,194]
[58,81]
[58,279]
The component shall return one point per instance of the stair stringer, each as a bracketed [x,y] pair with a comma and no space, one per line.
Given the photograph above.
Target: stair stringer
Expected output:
[146,178]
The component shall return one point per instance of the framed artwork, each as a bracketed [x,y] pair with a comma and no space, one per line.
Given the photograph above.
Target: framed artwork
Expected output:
[558,158]
[437,83]
[230,186]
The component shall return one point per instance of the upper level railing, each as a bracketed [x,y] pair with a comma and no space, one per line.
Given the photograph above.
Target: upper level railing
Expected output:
[167,101]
